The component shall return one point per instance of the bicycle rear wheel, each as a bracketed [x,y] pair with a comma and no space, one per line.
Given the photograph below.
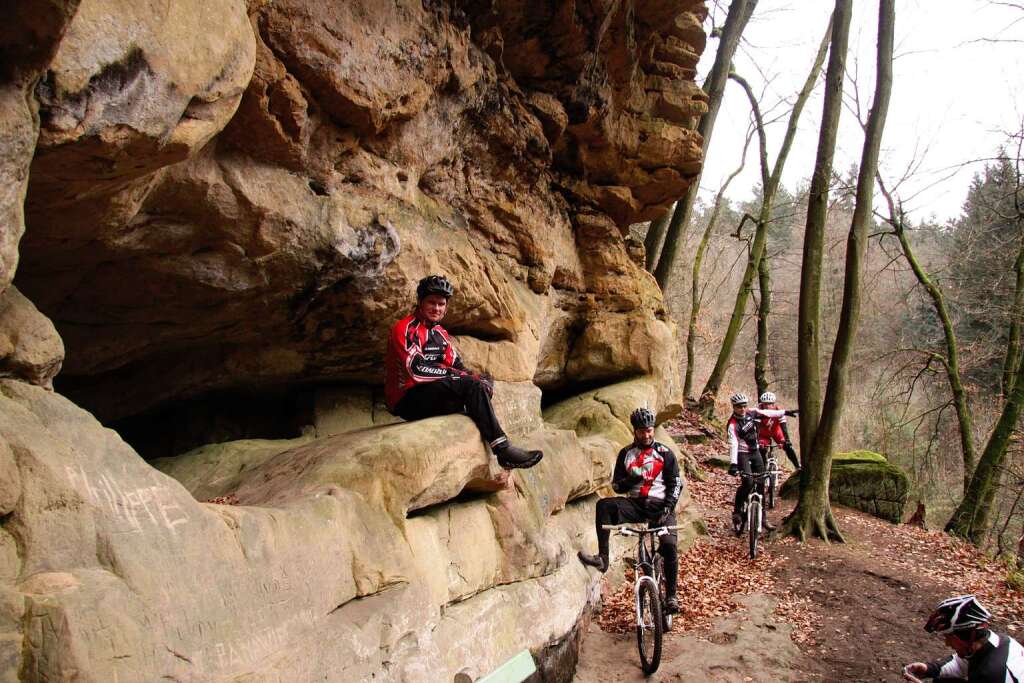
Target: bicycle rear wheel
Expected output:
[754,525]
[772,478]
[650,629]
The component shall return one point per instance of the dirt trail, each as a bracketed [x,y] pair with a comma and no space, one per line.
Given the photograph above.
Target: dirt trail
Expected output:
[850,612]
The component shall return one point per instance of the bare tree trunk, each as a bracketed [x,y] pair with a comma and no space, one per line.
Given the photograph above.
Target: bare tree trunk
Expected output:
[1013,343]
[735,22]
[770,183]
[971,518]
[698,260]
[813,512]
[655,236]
[952,359]
[764,309]
[809,314]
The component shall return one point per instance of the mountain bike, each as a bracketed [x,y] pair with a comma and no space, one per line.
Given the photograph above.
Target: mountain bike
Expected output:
[772,469]
[754,512]
[652,619]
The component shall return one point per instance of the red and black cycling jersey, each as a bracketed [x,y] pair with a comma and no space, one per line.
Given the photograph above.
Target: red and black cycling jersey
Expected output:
[418,352]
[660,481]
[772,429]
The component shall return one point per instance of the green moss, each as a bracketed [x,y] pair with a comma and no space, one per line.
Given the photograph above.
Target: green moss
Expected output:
[865,481]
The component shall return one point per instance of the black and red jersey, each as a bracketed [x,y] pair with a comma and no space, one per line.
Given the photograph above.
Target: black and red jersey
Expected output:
[418,352]
[661,479]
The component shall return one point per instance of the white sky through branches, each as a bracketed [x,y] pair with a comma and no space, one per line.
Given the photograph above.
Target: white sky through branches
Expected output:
[958,89]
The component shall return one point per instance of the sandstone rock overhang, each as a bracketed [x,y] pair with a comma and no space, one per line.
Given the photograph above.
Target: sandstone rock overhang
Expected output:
[228,202]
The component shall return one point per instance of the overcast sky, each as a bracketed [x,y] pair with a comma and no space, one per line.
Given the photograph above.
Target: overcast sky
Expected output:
[955,94]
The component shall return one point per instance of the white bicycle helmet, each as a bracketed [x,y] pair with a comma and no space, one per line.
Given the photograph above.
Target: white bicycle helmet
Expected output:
[739,399]
[958,614]
[767,397]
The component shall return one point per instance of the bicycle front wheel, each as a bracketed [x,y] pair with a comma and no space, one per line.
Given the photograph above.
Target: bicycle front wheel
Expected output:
[649,631]
[659,571]
[754,525]
[771,490]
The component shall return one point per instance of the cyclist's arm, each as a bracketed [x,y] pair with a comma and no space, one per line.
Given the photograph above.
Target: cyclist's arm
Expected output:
[673,480]
[734,442]
[767,412]
[950,667]
[622,481]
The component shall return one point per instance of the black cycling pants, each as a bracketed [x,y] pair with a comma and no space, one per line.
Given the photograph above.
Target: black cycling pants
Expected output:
[453,395]
[750,463]
[791,454]
[620,510]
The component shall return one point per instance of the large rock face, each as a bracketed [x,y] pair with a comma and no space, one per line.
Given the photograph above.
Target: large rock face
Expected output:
[221,206]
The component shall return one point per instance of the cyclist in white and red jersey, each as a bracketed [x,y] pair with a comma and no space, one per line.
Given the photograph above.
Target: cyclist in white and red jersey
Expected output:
[425,377]
[774,429]
[744,453]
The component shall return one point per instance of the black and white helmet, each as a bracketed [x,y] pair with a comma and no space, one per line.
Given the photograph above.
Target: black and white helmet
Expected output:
[958,614]
[434,284]
[767,397]
[739,399]
[642,418]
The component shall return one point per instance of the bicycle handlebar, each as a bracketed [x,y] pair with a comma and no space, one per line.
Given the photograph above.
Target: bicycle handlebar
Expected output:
[628,529]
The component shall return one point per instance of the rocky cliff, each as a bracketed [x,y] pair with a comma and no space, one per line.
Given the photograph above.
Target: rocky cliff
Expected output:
[211,213]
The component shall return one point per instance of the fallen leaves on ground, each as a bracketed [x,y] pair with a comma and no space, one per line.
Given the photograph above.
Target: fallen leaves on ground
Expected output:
[946,560]
[712,574]
[716,570]
[229,499]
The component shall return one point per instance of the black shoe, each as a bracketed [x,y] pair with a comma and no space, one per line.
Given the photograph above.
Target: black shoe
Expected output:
[672,605]
[737,523]
[511,457]
[598,561]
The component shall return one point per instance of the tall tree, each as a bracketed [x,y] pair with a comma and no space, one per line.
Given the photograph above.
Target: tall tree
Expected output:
[951,360]
[813,513]
[770,182]
[695,289]
[764,310]
[736,21]
[809,312]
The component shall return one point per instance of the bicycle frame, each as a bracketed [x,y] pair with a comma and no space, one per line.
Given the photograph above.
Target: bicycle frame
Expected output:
[754,495]
[646,568]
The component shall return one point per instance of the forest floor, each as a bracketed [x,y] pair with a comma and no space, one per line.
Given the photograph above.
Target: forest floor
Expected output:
[800,612]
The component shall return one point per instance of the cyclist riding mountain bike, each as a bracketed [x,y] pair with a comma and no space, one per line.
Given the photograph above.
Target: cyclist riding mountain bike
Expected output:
[744,453]
[648,473]
[980,654]
[425,376]
[774,429]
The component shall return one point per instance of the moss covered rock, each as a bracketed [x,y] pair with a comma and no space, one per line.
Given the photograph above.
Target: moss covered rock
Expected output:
[865,481]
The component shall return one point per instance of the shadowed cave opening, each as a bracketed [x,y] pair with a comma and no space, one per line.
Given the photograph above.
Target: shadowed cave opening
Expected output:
[178,427]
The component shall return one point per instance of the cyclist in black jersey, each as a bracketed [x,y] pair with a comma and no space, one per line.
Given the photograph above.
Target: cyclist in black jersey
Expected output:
[980,654]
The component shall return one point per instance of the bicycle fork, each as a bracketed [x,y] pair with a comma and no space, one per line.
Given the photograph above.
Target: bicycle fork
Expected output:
[636,596]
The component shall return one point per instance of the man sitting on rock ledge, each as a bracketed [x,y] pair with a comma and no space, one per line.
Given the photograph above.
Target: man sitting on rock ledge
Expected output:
[648,473]
[425,377]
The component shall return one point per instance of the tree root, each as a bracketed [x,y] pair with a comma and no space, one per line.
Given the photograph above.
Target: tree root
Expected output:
[806,524]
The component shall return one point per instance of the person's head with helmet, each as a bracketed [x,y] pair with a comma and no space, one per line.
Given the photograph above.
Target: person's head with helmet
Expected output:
[642,420]
[739,403]
[432,294]
[962,621]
